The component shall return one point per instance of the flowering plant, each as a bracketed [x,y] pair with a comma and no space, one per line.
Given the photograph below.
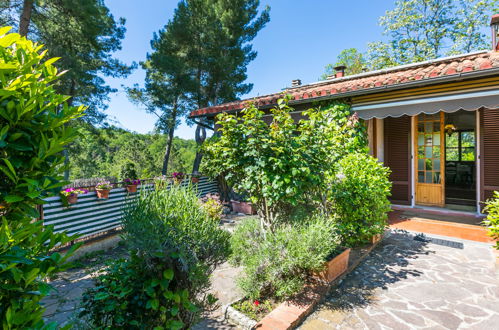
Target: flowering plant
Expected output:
[73,191]
[178,175]
[105,185]
[130,182]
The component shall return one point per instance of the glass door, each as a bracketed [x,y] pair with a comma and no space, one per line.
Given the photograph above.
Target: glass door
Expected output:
[430,160]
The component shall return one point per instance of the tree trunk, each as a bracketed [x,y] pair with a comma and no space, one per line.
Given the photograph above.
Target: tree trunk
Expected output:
[65,152]
[167,152]
[169,143]
[25,18]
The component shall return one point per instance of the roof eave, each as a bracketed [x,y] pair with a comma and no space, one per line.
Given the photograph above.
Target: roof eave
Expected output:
[415,83]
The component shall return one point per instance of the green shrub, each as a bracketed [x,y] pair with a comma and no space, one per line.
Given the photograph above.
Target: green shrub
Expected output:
[359,197]
[171,227]
[128,171]
[33,131]
[212,205]
[284,164]
[276,264]
[131,294]
[492,220]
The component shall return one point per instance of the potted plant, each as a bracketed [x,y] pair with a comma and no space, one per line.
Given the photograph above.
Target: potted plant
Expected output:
[71,194]
[336,265]
[102,189]
[242,207]
[131,185]
[178,177]
[195,177]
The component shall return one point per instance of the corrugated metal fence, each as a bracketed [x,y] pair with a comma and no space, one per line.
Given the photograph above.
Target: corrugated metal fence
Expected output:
[90,215]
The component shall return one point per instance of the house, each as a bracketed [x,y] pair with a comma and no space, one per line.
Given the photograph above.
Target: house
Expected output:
[434,123]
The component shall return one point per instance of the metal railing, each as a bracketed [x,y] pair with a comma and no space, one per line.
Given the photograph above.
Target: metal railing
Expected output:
[91,216]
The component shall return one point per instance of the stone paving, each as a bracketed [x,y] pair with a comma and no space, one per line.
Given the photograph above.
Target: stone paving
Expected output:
[414,284]
[63,302]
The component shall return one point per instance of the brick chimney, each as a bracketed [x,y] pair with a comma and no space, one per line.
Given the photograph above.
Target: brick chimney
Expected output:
[494,25]
[340,71]
[295,82]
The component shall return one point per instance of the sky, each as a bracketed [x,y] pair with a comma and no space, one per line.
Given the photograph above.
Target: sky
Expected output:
[300,39]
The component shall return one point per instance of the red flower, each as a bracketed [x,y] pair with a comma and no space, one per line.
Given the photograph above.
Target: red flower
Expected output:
[256,302]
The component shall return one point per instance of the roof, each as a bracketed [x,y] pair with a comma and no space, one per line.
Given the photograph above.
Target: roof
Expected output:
[428,71]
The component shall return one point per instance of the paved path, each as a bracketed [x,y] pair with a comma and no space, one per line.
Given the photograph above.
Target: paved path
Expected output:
[409,284]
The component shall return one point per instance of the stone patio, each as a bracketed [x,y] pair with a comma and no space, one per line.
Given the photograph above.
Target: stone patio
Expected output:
[411,284]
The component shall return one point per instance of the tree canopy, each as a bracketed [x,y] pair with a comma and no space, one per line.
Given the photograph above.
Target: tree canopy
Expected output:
[199,59]
[421,30]
[84,34]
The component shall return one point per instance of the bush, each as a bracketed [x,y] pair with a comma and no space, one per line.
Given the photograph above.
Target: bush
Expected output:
[211,203]
[128,171]
[276,264]
[170,227]
[129,295]
[359,197]
[281,165]
[33,131]
[492,220]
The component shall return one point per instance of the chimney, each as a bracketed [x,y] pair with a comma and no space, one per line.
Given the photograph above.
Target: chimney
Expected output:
[494,25]
[340,71]
[295,82]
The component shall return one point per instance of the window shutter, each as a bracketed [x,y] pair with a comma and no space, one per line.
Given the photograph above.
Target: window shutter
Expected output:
[489,121]
[397,132]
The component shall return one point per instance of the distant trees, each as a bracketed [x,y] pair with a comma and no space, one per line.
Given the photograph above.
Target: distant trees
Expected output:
[420,30]
[199,59]
[101,152]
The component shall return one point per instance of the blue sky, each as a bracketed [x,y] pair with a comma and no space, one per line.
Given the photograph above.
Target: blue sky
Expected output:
[300,39]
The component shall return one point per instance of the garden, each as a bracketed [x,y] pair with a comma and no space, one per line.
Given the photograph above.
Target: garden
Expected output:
[316,192]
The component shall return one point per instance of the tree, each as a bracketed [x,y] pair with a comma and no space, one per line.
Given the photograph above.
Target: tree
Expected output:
[199,59]
[351,58]
[33,131]
[220,49]
[84,34]
[472,16]
[420,30]
[168,81]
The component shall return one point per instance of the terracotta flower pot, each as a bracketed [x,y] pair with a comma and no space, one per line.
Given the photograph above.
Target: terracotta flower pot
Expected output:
[242,207]
[72,199]
[102,193]
[194,179]
[376,238]
[334,267]
[131,188]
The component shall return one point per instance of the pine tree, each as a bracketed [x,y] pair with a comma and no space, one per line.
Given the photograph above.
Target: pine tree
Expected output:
[84,34]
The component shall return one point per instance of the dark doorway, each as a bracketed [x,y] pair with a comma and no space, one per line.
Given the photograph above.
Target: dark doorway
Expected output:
[460,160]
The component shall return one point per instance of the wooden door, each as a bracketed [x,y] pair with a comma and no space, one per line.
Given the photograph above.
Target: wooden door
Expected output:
[430,161]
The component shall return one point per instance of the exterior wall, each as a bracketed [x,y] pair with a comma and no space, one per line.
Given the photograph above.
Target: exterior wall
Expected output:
[380,139]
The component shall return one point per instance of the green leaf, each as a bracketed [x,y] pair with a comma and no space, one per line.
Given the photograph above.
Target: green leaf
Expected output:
[13,198]
[168,274]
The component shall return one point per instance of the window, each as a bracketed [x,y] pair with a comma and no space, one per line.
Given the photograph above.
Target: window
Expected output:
[460,146]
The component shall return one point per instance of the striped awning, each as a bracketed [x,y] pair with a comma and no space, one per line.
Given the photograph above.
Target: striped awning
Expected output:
[430,105]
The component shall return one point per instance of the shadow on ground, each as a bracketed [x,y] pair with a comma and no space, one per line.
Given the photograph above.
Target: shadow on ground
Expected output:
[386,265]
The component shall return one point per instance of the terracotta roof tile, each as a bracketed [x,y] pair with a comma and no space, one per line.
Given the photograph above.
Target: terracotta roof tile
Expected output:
[390,77]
